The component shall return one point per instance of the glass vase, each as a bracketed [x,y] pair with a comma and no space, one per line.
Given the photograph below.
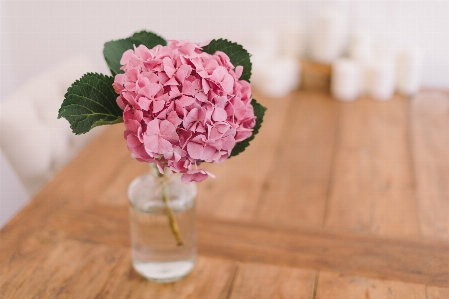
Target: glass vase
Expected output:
[163,226]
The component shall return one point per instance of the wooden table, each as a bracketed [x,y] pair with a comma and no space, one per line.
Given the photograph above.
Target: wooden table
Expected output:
[332,200]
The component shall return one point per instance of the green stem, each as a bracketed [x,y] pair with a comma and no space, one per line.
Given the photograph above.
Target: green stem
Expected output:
[168,210]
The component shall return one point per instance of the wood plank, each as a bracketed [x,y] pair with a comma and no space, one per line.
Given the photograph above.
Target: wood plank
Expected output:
[18,264]
[211,278]
[116,192]
[294,192]
[338,286]
[430,144]
[437,293]
[103,224]
[411,260]
[268,281]
[27,224]
[71,269]
[372,187]
[235,191]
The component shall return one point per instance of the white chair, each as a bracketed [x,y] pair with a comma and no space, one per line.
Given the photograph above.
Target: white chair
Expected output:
[35,142]
[13,195]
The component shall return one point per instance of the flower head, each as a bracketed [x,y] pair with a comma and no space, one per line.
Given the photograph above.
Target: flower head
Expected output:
[182,106]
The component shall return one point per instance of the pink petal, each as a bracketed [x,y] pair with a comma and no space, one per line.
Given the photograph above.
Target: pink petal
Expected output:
[196,175]
[132,140]
[172,81]
[228,83]
[132,125]
[228,143]
[130,98]
[126,57]
[174,93]
[169,69]
[174,118]
[191,117]
[162,78]
[191,88]
[153,128]
[184,137]
[143,52]
[150,90]
[242,135]
[183,72]
[164,146]
[168,131]
[238,71]
[201,97]
[219,114]
[221,77]
[205,85]
[151,143]
[132,75]
[208,153]
[218,74]
[195,150]
[158,105]
[144,103]
[186,101]
[220,101]
[120,102]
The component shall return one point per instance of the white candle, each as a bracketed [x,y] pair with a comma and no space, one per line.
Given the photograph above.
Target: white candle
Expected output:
[361,51]
[328,39]
[345,80]
[278,77]
[380,79]
[408,79]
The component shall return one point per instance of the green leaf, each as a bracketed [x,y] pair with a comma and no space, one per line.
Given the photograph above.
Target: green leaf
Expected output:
[114,50]
[90,102]
[237,54]
[259,112]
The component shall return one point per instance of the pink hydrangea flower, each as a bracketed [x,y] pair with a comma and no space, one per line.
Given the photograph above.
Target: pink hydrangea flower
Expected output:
[182,106]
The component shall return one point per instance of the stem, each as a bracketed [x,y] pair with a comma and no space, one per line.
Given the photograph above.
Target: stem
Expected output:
[168,210]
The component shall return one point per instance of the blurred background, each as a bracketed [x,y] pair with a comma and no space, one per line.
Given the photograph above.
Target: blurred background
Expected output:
[349,48]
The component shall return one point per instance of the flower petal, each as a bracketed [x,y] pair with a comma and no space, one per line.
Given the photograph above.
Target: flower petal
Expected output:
[168,131]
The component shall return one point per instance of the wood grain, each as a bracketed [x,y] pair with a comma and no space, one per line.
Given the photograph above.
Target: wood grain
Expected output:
[430,145]
[295,189]
[372,187]
[338,286]
[17,265]
[437,293]
[271,282]
[410,260]
[69,265]
[211,278]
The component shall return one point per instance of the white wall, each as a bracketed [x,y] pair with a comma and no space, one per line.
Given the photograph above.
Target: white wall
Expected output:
[36,35]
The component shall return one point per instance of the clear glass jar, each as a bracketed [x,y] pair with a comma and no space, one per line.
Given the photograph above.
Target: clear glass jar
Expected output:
[163,226]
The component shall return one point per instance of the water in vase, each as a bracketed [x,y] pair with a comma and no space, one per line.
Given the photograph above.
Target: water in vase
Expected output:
[155,253]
